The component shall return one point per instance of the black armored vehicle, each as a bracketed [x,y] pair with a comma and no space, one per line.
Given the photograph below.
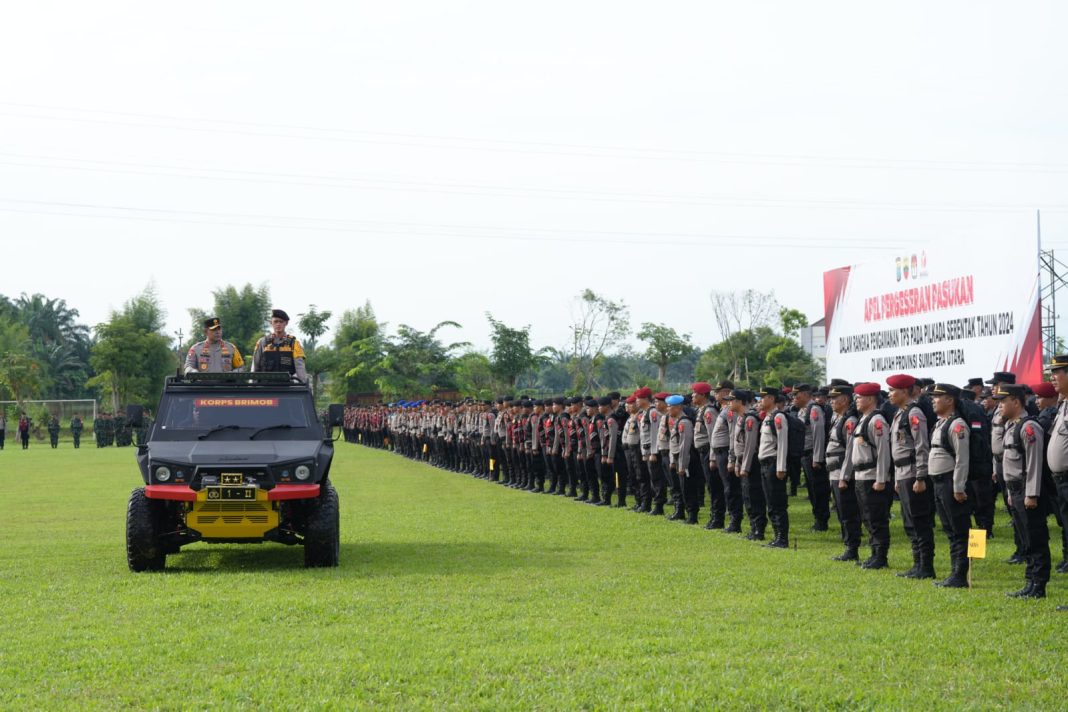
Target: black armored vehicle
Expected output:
[234,457]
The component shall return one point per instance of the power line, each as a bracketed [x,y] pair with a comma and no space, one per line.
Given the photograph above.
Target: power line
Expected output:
[481,190]
[532,147]
[56,208]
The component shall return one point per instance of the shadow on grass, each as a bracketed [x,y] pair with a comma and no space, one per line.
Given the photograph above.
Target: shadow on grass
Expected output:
[372,560]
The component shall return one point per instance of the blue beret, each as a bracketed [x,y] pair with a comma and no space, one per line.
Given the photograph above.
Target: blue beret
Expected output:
[675,400]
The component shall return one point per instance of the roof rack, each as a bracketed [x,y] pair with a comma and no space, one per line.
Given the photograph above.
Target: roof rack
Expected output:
[236,380]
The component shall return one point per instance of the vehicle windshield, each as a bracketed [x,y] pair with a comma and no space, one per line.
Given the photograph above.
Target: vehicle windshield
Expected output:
[199,413]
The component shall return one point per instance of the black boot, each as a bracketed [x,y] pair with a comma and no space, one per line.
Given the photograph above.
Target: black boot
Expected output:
[1023,592]
[877,561]
[779,542]
[621,500]
[959,577]
[1038,590]
[658,510]
[735,527]
[645,506]
[678,514]
[850,554]
[1062,568]
[926,569]
[691,516]
[755,535]
[914,571]
[1015,559]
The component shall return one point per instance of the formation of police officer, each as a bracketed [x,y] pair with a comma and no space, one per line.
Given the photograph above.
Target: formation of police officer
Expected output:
[936,448]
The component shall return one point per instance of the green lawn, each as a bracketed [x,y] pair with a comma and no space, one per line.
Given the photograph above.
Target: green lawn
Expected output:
[455,593]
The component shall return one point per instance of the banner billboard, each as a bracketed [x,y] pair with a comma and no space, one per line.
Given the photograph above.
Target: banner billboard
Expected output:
[947,312]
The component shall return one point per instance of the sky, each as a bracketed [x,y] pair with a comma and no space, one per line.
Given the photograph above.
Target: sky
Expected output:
[443,160]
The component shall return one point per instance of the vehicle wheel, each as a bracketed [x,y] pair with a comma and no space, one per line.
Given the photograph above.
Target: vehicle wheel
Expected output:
[322,535]
[143,519]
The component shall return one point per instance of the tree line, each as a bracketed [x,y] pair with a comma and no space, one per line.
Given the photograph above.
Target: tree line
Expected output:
[46,353]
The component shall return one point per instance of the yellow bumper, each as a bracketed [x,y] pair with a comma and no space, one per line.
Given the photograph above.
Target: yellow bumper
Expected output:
[227,519]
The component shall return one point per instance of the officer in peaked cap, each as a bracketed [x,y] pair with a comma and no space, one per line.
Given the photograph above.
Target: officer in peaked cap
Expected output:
[279,351]
[213,355]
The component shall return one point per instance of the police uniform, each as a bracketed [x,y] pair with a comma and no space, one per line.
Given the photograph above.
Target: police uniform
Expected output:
[720,458]
[947,465]
[685,461]
[813,460]
[703,425]
[840,470]
[53,432]
[871,467]
[774,437]
[910,449]
[1057,455]
[1024,454]
[218,357]
[746,437]
[280,353]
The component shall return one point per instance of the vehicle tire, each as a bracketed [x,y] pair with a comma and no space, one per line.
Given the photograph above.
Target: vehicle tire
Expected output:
[322,532]
[143,519]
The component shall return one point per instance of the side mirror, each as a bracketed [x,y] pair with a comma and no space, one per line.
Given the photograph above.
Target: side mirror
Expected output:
[336,415]
[135,415]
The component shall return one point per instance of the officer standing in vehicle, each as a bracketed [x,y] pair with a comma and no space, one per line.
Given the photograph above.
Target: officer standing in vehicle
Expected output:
[213,355]
[278,351]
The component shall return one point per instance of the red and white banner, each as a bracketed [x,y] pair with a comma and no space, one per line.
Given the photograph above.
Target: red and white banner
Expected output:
[945,313]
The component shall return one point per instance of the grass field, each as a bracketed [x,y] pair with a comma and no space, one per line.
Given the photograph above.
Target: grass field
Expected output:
[455,593]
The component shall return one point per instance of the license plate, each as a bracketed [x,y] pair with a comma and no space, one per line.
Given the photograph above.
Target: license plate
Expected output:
[231,493]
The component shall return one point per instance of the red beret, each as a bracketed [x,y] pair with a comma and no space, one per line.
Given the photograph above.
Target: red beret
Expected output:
[1044,390]
[632,400]
[702,388]
[661,395]
[867,389]
[787,390]
[902,380]
[643,393]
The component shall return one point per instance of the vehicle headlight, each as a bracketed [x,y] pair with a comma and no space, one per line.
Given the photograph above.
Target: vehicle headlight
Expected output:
[303,472]
[163,473]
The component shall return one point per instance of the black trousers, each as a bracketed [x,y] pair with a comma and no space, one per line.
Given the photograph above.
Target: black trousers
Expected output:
[981,490]
[637,472]
[608,478]
[819,489]
[712,481]
[77,435]
[25,437]
[732,485]
[875,512]
[918,515]
[692,482]
[793,473]
[622,470]
[956,517]
[593,475]
[1059,501]
[1034,533]
[845,501]
[756,504]
[672,477]
[658,478]
[778,502]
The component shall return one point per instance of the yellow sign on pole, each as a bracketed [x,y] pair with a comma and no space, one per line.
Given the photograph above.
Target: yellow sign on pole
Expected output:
[977,543]
[424,448]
